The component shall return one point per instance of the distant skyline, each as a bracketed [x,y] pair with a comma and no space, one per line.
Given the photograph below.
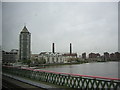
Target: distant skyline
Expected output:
[89,26]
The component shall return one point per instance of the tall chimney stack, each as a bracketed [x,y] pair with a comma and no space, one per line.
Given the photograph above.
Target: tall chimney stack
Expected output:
[70,48]
[53,48]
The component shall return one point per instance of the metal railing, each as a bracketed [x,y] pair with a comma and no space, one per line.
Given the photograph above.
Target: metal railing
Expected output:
[66,79]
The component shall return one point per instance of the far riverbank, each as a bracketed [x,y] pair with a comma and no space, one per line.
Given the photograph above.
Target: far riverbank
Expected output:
[72,63]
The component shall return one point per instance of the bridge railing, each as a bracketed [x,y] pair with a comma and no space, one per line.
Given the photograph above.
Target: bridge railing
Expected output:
[65,79]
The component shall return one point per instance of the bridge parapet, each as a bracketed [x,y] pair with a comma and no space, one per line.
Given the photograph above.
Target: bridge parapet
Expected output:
[65,79]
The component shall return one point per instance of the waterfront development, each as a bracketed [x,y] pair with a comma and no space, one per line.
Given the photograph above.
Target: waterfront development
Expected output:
[66,70]
[64,45]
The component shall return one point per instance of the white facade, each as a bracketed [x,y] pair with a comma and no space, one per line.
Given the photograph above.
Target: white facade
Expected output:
[68,56]
[51,57]
[55,57]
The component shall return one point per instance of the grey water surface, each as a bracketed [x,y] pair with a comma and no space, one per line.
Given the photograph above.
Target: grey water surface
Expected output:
[105,69]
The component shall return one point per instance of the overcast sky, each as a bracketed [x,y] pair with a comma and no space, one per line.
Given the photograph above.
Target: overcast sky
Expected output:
[89,26]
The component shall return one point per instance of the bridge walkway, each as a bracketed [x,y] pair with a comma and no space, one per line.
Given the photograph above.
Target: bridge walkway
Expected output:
[12,82]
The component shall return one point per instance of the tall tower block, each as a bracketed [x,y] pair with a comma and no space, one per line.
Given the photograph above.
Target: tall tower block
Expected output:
[24,44]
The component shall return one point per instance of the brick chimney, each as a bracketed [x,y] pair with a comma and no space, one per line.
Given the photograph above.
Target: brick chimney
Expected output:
[53,48]
[70,48]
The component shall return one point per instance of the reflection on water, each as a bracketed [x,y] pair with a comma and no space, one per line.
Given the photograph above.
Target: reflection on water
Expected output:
[106,69]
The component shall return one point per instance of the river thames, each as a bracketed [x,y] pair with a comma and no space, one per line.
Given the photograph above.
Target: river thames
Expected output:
[105,69]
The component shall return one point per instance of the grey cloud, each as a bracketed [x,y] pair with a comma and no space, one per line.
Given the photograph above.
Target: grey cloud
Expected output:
[91,27]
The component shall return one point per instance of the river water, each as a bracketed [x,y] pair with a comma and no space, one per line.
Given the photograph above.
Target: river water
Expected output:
[105,69]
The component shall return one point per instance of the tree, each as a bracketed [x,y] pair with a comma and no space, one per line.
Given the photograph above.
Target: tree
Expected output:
[26,62]
[73,60]
[42,61]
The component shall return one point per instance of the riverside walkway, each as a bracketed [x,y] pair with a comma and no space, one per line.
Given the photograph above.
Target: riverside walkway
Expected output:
[66,80]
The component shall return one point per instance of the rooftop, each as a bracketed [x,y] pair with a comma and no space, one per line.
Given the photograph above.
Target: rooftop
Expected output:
[24,30]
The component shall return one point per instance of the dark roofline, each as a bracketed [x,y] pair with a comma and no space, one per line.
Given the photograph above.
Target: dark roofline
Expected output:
[24,30]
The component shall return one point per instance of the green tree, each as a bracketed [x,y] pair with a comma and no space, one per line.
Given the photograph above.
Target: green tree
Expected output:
[42,61]
[28,62]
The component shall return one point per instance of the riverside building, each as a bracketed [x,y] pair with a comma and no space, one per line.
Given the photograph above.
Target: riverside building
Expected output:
[55,57]
[24,44]
[10,57]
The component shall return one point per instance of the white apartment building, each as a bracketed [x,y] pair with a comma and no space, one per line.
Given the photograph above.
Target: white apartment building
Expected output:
[50,57]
